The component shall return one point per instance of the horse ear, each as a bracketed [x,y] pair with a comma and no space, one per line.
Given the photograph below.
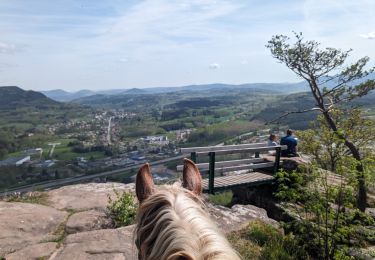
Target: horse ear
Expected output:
[191,177]
[144,184]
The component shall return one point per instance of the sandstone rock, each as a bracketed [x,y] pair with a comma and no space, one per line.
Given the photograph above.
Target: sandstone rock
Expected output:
[25,228]
[371,212]
[98,244]
[363,253]
[37,251]
[86,196]
[87,221]
[24,224]
[289,163]
[235,218]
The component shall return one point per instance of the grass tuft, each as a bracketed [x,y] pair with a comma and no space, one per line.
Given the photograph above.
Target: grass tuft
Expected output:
[31,197]
[260,240]
[222,198]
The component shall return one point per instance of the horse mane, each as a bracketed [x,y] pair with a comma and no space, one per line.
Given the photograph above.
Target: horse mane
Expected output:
[172,224]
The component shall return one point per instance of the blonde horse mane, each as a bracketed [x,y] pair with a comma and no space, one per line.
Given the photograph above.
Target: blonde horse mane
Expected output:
[172,223]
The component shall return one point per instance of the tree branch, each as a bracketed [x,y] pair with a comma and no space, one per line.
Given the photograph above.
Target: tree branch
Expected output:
[293,112]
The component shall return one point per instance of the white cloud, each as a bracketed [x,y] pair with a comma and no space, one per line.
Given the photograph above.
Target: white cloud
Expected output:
[7,48]
[161,25]
[123,60]
[214,66]
[370,35]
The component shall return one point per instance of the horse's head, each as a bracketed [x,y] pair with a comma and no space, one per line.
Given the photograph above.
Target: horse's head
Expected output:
[145,187]
[172,223]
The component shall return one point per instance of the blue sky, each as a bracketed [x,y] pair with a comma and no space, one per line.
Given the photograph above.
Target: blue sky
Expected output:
[96,44]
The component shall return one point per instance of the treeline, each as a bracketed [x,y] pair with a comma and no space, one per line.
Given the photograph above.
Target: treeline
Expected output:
[172,114]
[220,132]
[78,147]
[201,103]
[11,141]
[294,102]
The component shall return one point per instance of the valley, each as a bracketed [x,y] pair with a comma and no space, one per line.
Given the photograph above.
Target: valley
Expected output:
[43,139]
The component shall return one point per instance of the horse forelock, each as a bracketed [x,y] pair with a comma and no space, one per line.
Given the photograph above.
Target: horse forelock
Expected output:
[173,224]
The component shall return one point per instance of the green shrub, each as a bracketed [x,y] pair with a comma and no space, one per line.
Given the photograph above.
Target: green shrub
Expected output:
[247,249]
[262,241]
[342,254]
[222,198]
[290,186]
[275,250]
[262,233]
[122,210]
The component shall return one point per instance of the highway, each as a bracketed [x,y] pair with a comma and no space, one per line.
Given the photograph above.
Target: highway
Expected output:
[78,179]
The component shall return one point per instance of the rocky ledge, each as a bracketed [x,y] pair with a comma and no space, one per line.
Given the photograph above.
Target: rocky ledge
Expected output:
[73,224]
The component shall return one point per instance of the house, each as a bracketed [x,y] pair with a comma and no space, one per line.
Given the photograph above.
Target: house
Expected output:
[161,140]
[15,161]
[138,158]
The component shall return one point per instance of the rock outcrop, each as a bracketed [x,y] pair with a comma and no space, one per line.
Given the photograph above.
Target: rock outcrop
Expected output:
[37,251]
[87,221]
[86,196]
[236,217]
[24,224]
[75,225]
[98,244]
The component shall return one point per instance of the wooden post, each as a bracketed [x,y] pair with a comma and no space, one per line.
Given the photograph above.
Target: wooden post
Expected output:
[211,175]
[193,157]
[277,159]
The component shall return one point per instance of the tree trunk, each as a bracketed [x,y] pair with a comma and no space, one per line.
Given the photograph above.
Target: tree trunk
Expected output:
[362,192]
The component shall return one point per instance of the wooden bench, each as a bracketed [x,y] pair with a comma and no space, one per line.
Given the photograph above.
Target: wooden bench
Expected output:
[214,183]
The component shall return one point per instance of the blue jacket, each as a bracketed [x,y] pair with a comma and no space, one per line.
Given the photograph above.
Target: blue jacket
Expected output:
[291,142]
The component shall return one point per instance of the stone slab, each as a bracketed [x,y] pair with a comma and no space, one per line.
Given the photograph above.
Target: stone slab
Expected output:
[99,244]
[86,196]
[87,221]
[24,224]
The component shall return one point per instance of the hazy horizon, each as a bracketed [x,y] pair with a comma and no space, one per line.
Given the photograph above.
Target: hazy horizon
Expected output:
[97,45]
[145,87]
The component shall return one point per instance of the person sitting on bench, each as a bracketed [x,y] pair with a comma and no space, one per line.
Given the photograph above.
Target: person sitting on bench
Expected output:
[290,141]
[272,140]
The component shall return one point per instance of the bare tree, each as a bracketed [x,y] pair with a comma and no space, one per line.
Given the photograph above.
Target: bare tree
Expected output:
[331,84]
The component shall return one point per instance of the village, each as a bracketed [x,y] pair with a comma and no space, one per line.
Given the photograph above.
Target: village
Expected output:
[94,145]
[88,146]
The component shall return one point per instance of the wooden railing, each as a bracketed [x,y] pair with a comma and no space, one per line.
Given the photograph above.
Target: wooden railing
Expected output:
[213,166]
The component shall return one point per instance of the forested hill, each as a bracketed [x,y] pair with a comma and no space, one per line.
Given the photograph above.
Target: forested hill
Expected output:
[65,96]
[276,88]
[12,97]
[280,88]
[302,101]
[179,100]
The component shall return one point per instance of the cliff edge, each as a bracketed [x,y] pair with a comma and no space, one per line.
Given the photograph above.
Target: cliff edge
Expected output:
[71,222]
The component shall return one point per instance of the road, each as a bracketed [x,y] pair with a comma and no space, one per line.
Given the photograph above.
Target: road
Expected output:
[78,179]
[109,130]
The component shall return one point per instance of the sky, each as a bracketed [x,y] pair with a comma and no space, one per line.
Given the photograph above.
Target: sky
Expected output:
[97,45]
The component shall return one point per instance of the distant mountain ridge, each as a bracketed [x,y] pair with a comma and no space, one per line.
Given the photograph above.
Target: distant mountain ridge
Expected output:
[282,88]
[135,91]
[12,97]
[65,96]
